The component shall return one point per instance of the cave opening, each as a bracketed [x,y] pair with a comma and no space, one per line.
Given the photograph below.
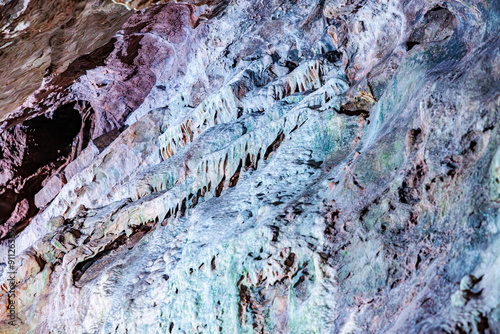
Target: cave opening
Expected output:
[50,139]
[49,143]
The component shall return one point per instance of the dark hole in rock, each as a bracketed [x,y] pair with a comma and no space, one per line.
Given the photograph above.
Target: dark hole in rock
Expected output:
[212,264]
[8,202]
[183,208]
[363,213]
[234,179]
[48,144]
[274,145]
[301,280]
[413,136]
[220,187]
[276,233]
[356,112]
[333,56]
[291,65]
[248,162]
[87,133]
[418,261]
[408,194]
[411,44]
[472,146]
[290,260]
[275,56]
[313,163]
[49,139]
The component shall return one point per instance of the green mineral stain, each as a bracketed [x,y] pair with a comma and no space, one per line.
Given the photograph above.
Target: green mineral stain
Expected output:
[59,246]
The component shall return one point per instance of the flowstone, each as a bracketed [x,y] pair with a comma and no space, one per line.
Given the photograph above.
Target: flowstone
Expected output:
[273,167]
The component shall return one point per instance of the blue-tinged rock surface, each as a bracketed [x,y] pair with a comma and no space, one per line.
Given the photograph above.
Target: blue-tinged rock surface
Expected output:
[307,166]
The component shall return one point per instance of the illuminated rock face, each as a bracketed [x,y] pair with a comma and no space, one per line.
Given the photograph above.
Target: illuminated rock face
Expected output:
[284,167]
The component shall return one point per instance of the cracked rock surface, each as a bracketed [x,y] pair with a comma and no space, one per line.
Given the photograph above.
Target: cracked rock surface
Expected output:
[305,166]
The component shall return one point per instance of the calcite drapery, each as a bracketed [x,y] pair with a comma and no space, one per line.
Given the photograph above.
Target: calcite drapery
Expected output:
[290,166]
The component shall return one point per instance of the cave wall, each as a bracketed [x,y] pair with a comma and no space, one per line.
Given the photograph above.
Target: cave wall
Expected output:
[274,166]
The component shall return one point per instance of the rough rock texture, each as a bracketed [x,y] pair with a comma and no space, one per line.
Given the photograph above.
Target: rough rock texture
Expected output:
[286,167]
[39,39]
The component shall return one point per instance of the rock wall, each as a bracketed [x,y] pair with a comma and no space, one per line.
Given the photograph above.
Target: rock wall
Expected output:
[302,166]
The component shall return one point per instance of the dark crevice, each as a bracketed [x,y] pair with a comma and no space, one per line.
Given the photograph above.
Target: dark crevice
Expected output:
[133,46]
[220,187]
[234,179]
[333,56]
[48,144]
[276,233]
[356,112]
[90,269]
[411,44]
[274,145]
[83,266]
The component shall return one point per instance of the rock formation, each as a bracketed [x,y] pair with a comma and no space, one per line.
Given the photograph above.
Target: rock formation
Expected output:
[241,166]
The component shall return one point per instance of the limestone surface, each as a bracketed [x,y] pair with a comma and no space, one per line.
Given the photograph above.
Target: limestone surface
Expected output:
[259,166]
